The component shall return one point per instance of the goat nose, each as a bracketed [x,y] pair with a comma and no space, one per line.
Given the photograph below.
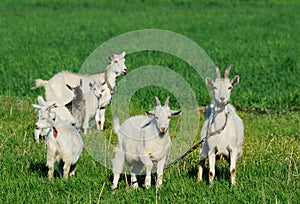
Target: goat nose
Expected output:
[163,129]
[37,127]
[222,99]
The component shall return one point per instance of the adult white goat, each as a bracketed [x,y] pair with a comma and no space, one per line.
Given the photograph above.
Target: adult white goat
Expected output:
[223,129]
[64,143]
[142,141]
[61,111]
[55,88]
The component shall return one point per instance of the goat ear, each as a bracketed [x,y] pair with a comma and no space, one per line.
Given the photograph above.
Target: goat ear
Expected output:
[235,80]
[209,82]
[175,112]
[167,101]
[150,113]
[157,101]
[109,57]
[123,54]
[69,87]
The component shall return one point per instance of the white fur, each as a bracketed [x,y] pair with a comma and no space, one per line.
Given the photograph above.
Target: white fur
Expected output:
[55,88]
[142,141]
[64,143]
[92,110]
[223,136]
[62,113]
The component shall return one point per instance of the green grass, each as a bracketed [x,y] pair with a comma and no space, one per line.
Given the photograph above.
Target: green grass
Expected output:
[39,39]
[268,170]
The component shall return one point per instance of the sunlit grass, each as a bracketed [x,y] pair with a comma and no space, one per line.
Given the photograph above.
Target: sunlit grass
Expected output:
[39,39]
[268,169]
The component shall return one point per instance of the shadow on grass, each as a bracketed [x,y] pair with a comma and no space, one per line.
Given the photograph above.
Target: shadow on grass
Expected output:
[140,179]
[42,170]
[222,172]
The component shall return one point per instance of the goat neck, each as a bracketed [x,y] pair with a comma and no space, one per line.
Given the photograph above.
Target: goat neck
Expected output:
[218,120]
[110,79]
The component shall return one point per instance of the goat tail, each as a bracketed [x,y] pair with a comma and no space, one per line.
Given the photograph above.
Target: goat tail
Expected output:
[39,83]
[116,124]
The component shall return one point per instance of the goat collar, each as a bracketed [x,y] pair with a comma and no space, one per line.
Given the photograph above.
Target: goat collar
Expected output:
[112,89]
[54,132]
[212,120]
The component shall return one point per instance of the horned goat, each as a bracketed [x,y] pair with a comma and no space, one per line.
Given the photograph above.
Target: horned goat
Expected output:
[61,111]
[223,129]
[142,141]
[64,143]
[55,88]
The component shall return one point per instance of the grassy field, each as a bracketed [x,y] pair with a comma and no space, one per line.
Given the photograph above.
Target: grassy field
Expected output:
[39,39]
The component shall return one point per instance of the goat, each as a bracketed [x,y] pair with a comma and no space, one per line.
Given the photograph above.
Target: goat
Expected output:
[78,105]
[142,141]
[223,129]
[92,109]
[83,111]
[64,143]
[61,111]
[55,88]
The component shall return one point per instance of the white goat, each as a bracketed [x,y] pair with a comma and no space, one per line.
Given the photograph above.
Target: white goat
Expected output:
[142,141]
[92,109]
[55,88]
[223,129]
[61,111]
[64,143]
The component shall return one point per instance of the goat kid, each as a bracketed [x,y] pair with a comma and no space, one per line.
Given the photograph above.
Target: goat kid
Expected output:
[78,105]
[92,108]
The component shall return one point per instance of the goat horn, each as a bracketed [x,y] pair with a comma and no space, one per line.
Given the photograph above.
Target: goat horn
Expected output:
[217,71]
[41,100]
[226,75]
[157,101]
[167,101]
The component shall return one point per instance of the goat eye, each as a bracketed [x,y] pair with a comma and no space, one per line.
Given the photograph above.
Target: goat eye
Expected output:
[156,118]
[229,88]
[169,117]
[115,61]
[215,88]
